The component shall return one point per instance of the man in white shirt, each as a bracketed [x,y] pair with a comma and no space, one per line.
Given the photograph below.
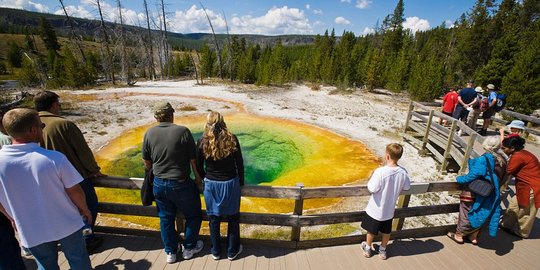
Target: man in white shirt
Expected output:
[385,185]
[40,194]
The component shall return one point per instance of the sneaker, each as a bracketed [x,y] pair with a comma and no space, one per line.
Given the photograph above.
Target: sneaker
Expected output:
[188,253]
[93,243]
[382,254]
[366,249]
[215,257]
[171,257]
[235,255]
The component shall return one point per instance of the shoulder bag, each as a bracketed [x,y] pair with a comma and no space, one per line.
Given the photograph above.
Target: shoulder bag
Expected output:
[147,189]
[481,186]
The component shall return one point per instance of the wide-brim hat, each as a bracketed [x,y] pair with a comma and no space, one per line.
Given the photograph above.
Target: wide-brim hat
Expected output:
[517,124]
[479,89]
[162,107]
[491,86]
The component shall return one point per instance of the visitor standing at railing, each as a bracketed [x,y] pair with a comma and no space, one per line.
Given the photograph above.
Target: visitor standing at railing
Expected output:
[525,167]
[476,110]
[466,99]
[449,103]
[64,136]
[385,185]
[476,210]
[220,162]
[40,194]
[169,150]
[490,110]
[10,257]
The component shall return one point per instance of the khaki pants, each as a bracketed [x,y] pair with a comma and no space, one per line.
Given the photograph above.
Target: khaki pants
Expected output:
[473,118]
[519,220]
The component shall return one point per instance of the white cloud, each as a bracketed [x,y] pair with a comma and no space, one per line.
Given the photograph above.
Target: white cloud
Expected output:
[345,1]
[317,12]
[363,4]
[416,24]
[276,21]
[194,20]
[449,24]
[342,21]
[24,4]
[308,6]
[76,11]
[367,31]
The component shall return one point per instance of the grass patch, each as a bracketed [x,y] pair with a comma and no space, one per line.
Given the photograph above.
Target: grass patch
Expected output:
[330,231]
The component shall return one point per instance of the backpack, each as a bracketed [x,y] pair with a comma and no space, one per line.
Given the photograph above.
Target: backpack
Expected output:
[484,104]
[501,102]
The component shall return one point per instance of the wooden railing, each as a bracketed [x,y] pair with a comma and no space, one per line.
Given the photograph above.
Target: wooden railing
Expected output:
[297,219]
[443,143]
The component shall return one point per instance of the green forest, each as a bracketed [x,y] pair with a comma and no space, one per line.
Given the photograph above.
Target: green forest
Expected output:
[494,42]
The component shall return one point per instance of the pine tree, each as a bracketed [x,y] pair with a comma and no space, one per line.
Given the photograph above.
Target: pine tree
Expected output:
[48,35]
[14,55]
[208,61]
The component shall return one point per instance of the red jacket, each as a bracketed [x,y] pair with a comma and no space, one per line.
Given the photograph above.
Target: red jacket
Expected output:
[526,168]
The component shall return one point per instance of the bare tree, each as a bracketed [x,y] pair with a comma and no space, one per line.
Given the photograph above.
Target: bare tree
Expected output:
[166,54]
[194,67]
[110,65]
[230,61]
[215,42]
[123,49]
[150,46]
[74,37]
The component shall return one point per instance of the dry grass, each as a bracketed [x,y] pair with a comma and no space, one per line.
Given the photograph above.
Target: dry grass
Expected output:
[188,108]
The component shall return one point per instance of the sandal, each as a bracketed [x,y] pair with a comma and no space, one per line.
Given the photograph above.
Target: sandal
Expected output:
[452,236]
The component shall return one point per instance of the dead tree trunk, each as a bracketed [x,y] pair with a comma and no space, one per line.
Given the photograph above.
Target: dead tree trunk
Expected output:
[165,42]
[107,47]
[123,50]
[194,67]
[215,42]
[75,38]
[230,60]
[149,44]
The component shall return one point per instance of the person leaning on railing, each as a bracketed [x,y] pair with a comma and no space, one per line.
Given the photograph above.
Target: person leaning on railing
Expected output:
[525,167]
[476,210]
[220,162]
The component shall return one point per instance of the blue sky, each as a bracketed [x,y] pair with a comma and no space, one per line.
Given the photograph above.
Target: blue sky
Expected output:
[263,16]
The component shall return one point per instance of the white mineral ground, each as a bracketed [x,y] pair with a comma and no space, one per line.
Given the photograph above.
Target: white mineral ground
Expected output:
[374,119]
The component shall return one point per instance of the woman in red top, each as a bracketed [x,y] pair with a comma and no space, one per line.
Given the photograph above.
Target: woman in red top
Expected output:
[525,167]
[449,101]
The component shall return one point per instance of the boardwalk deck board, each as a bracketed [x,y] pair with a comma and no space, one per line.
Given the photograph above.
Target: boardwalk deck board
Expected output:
[503,252]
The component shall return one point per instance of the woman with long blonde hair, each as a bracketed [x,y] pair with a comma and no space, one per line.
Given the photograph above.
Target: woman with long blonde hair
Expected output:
[220,162]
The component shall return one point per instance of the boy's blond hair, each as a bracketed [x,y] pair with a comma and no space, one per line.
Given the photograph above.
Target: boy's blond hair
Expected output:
[394,150]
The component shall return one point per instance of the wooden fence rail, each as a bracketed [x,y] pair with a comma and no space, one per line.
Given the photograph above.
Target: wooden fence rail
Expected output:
[296,219]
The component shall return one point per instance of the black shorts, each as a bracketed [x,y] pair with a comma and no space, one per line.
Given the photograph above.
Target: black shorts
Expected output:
[448,113]
[374,226]
[488,113]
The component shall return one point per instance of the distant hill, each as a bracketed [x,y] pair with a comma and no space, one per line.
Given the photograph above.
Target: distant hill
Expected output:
[16,21]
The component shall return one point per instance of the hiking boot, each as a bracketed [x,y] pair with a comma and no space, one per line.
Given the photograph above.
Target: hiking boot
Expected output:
[188,253]
[235,255]
[366,249]
[171,257]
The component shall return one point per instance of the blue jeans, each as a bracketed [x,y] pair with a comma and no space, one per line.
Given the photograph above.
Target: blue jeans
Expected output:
[233,234]
[91,202]
[172,196]
[10,252]
[74,248]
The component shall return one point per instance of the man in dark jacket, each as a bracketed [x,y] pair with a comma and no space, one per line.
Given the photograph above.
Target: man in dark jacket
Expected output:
[64,136]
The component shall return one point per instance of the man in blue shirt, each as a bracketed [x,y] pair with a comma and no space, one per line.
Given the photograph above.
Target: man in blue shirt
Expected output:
[492,100]
[466,100]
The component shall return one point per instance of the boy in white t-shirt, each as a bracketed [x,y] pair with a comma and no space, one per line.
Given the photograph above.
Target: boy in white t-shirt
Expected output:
[385,185]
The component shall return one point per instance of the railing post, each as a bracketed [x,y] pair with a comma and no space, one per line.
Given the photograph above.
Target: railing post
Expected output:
[426,134]
[403,202]
[298,209]
[409,116]
[448,146]
[526,134]
[468,150]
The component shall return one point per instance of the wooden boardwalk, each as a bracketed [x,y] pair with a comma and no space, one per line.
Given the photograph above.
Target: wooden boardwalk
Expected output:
[503,252]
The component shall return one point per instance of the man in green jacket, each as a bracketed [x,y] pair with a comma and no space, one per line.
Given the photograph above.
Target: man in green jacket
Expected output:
[64,136]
